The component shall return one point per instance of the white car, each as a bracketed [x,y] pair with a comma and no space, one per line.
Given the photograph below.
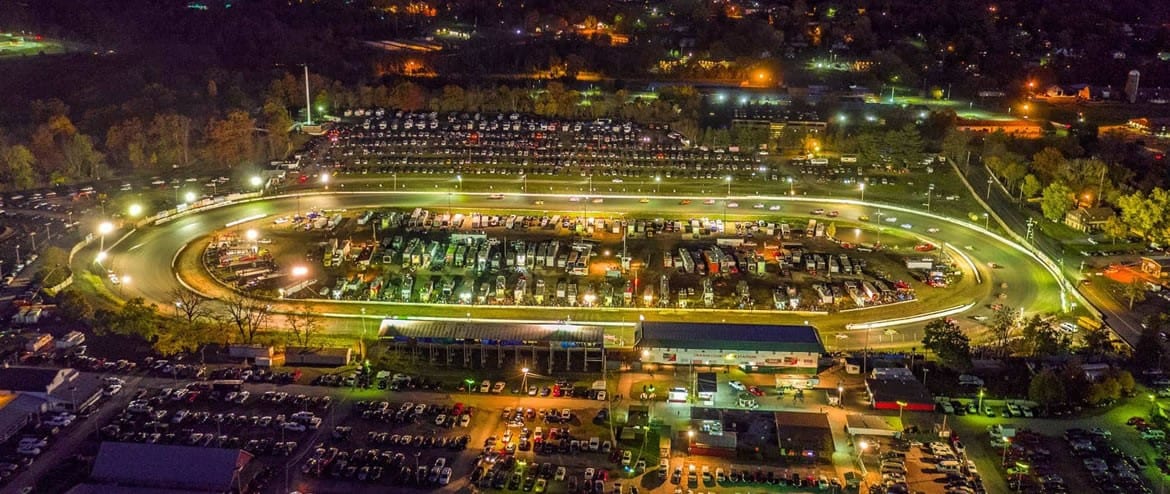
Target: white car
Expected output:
[589,472]
[736,385]
[774,207]
[891,219]
[441,419]
[932,230]
[758,205]
[445,476]
[465,421]
[907,226]
[560,475]
[294,427]
[733,204]
[112,390]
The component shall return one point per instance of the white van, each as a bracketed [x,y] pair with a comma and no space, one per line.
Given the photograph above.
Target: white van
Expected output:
[949,466]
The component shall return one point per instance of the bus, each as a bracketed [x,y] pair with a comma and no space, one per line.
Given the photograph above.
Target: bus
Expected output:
[227,385]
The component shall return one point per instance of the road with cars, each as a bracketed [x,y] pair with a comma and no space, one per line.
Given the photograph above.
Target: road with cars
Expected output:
[145,254]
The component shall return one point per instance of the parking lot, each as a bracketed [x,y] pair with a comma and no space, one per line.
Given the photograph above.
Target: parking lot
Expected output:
[563,260]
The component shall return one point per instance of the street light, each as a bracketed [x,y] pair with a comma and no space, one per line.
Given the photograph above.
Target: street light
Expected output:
[135,210]
[791,191]
[104,228]
[1007,441]
[190,197]
[728,180]
[125,280]
[863,192]
[524,380]
[299,271]
[101,256]
[363,310]
[257,181]
[325,179]
[657,183]
[841,396]
[901,406]
[460,179]
[862,446]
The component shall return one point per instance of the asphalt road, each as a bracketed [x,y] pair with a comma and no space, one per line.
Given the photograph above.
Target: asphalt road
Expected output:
[146,254]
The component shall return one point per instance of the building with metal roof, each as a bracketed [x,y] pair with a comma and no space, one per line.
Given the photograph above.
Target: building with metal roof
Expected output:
[164,466]
[791,352]
[481,343]
[61,389]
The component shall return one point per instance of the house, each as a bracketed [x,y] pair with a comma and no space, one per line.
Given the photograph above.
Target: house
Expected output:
[1088,220]
[62,389]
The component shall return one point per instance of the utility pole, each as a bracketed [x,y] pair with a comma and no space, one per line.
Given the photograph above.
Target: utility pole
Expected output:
[308,101]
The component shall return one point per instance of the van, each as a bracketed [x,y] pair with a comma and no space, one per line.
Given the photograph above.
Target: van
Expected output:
[949,466]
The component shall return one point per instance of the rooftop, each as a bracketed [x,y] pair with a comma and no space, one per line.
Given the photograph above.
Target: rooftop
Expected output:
[489,332]
[893,390]
[168,467]
[738,337]
[28,379]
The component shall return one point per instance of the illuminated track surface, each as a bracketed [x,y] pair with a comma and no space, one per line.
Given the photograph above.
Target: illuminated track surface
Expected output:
[146,257]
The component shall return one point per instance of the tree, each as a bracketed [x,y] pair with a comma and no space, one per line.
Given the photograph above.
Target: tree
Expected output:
[1147,354]
[1055,201]
[831,230]
[1126,381]
[17,167]
[1135,291]
[82,161]
[1030,186]
[1040,338]
[248,316]
[947,341]
[1002,322]
[1048,162]
[178,336]
[1047,388]
[134,318]
[126,142]
[1115,228]
[189,305]
[277,124]
[955,146]
[170,134]
[73,307]
[302,326]
[229,141]
[1096,341]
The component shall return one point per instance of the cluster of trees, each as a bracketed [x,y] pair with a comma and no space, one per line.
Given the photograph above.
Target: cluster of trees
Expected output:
[1035,336]
[195,323]
[151,133]
[1052,387]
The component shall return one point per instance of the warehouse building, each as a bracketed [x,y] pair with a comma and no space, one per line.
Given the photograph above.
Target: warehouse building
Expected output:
[789,352]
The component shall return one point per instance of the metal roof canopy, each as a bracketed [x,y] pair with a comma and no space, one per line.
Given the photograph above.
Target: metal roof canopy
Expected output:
[489,330]
[723,336]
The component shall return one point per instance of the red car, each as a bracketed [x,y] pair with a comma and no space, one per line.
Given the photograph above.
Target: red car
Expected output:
[755,391]
[1135,421]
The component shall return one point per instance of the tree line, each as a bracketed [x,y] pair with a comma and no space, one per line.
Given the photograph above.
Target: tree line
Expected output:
[243,131]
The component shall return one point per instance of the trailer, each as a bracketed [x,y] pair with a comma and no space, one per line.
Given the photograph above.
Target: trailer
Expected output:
[923,263]
[688,263]
[708,292]
[824,294]
[407,287]
[538,293]
[520,290]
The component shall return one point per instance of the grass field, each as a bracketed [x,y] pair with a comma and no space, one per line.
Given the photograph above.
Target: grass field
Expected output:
[14,45]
